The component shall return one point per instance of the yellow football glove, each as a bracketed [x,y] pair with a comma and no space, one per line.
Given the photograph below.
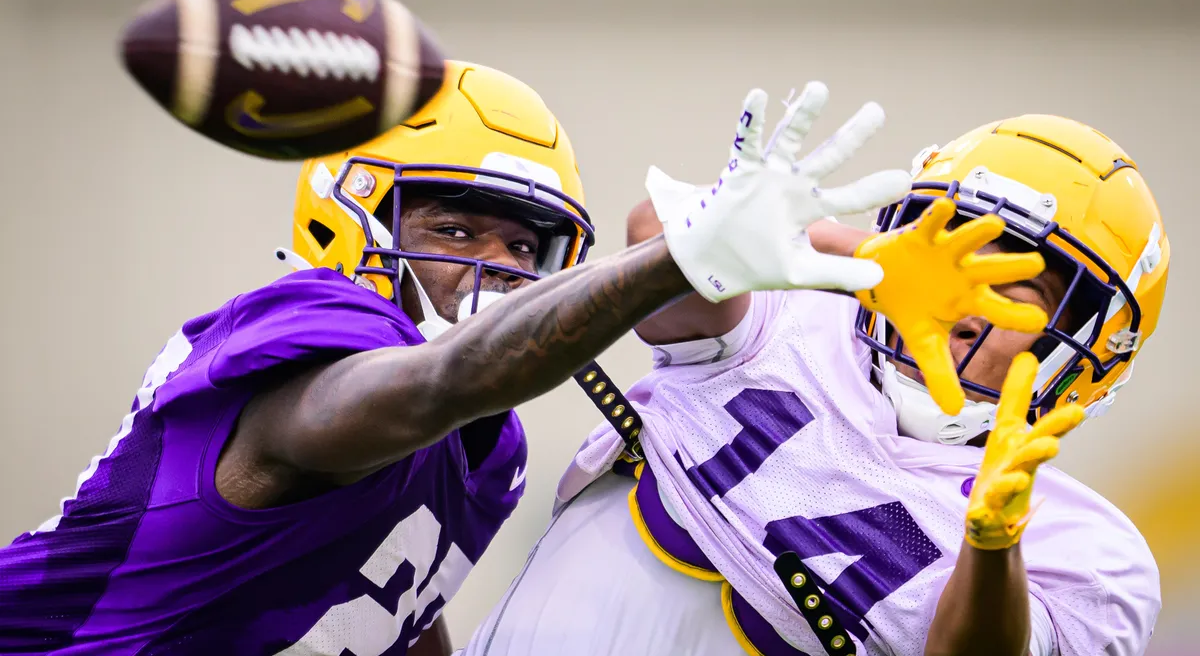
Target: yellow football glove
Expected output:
[998,509]
[933,278]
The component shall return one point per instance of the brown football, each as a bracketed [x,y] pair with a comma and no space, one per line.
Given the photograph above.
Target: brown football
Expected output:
[284,79]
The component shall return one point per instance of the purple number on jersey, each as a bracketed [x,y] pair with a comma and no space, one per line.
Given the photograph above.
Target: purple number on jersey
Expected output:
[768,419]
[890,545]
[149,558]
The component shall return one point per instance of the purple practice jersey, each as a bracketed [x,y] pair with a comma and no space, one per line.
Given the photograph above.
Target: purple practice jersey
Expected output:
[148,558]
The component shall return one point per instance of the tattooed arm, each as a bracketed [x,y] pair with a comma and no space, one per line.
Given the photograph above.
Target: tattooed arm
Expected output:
[361,413]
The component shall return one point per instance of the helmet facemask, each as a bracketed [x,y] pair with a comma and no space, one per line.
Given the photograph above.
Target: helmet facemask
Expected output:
[562,224]
[1094,292]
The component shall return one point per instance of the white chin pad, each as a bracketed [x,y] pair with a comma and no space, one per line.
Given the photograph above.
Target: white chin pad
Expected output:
[919,417]
[485,299]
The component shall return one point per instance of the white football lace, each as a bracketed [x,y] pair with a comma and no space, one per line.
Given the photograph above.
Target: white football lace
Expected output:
[304,52]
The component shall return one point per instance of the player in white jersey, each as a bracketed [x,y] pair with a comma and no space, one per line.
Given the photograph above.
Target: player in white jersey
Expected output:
[781,423]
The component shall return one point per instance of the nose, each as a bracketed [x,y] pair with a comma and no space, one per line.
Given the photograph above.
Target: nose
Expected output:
[496,251]
[964,334]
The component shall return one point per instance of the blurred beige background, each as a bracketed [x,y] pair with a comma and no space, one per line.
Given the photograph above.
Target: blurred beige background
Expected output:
[118,224]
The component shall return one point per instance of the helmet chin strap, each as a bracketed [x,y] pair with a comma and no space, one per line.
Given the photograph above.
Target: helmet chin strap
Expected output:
[432,324]
[919,417]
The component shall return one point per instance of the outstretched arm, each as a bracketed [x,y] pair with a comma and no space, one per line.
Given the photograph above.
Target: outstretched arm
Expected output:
[985,608]
[361,413]
[373,408]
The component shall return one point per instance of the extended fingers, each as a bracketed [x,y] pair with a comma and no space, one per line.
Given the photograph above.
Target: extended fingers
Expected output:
[867,193]
[747,140]
[784,145]
[839,148]
[935,218]
[1058,422]
[1017,392]
[1004,312]
[930,348]
[1033,453]
[972,235]
[1002,268]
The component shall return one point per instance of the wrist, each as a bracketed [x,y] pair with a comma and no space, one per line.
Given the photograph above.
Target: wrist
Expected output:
[983,537]
[697,267]
[666,270]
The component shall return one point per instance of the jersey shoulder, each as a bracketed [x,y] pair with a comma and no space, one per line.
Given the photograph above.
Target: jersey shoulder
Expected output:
[1078,524]
[305,316]
[1091,567]
[309,316]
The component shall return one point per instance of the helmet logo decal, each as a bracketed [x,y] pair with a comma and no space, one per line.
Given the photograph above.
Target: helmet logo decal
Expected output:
[358,10]
[251,7]
[245,116]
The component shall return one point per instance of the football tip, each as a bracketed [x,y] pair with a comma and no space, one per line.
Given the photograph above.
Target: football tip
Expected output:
[148,48]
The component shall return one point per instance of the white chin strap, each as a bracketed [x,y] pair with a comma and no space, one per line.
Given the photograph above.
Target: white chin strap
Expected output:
[432,325]
[919,417]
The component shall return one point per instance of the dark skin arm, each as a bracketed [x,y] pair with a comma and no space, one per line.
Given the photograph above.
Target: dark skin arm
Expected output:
[347,419]
[984,610]
[435,641]
[693,317]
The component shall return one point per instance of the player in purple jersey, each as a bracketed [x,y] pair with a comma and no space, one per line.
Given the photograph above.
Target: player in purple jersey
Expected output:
[314,467]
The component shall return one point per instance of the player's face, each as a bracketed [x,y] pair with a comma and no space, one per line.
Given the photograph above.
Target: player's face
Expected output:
[990,363]
[430,227]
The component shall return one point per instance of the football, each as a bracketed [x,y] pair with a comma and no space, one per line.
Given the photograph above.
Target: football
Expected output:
[284,79]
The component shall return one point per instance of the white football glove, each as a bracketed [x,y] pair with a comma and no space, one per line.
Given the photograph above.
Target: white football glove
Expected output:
[747,232]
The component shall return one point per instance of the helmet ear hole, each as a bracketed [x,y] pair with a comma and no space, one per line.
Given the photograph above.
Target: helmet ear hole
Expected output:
[320,232]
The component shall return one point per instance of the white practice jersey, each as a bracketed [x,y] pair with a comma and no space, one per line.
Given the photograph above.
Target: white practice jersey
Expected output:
[785,445]
[590,587]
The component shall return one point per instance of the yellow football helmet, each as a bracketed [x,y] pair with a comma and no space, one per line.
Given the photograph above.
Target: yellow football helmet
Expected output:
[1070,193]
[485,137]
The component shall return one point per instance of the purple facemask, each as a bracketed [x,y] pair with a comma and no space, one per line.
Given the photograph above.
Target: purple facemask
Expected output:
[543,207]
[1090,296]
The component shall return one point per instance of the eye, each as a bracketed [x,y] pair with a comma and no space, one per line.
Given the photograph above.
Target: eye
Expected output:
[453,231]
[1025,291]
[523,247]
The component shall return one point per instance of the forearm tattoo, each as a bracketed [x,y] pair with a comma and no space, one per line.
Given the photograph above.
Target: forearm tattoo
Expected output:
[551,329]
